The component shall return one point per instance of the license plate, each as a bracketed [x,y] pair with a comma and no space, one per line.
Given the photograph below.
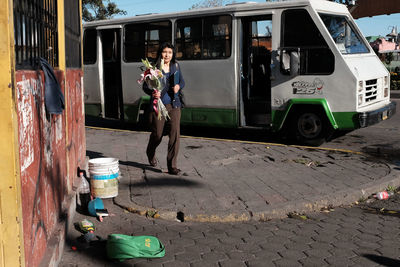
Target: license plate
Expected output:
[384,115]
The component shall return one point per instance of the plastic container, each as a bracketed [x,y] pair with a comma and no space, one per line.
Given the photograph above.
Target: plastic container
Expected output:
[104,173]
[84,192]
[95,204]
[383,195]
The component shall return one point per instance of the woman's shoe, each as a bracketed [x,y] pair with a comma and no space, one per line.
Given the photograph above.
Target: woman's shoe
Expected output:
[174,171]
[153,162]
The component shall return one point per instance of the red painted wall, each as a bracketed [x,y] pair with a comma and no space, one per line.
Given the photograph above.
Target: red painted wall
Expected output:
[47,144]
[76,141]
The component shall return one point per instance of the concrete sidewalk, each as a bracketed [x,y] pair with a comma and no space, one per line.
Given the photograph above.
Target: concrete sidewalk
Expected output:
[226,181]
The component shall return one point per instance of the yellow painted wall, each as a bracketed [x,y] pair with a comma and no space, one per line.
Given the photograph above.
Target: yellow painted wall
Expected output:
[11,246]
[61,35]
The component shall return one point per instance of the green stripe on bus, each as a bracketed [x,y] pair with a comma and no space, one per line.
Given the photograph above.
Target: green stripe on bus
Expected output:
[210,117]
[338,120]
[194,116]
[93,109]
[347,120]
[131,111]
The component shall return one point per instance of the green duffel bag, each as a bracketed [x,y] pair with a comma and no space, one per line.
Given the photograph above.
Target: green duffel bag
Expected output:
[122,247]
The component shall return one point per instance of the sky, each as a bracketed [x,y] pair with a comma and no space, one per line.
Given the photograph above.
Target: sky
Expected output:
[379,25]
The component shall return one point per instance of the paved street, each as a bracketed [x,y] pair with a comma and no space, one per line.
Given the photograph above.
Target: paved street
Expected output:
[250,204]
[347,236]
[225,181]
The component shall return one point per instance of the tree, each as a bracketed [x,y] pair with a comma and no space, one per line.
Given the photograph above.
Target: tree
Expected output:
[97,10]
[210,3]
[389,58]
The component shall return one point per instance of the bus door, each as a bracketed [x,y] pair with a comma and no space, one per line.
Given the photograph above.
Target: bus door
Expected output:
[255,70]
[112,86]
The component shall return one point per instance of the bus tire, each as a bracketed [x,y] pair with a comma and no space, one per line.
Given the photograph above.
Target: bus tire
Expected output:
[310,127]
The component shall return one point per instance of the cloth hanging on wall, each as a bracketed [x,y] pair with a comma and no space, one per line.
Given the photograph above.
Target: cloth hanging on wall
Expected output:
[53,96]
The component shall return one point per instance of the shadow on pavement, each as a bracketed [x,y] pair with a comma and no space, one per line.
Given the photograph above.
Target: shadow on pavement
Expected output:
[138,165]
[389,150]
[94,154]
[159,182]
[385,261]
[95,250]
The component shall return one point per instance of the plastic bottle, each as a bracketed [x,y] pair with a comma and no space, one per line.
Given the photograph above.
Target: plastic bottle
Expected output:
[84,192]
[383,195]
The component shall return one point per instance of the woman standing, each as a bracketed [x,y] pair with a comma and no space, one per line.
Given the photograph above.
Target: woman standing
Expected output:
[171,96]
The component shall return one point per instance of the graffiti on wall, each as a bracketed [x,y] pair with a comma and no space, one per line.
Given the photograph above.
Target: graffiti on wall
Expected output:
[43,164]
[45,149]
[27,90]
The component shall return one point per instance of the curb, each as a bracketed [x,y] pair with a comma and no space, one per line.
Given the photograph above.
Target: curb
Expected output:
[315,203]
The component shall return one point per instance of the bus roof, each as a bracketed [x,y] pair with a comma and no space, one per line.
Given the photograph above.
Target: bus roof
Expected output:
[230,8]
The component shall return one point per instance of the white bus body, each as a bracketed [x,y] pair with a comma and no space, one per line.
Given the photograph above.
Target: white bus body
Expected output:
[301,66]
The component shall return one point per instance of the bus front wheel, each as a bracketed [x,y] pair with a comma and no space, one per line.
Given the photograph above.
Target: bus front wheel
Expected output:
[311,127]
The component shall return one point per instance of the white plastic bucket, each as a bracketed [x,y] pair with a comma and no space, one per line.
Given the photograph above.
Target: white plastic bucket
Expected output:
[104,174]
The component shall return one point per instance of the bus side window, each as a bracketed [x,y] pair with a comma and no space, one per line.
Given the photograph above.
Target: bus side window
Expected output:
[142,40]
[89,46]
[315,54]
[204,38]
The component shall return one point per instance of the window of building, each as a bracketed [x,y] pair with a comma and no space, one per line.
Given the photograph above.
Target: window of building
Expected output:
[89,46]
[35,31]
[204,38]
[300,34]
[143,40]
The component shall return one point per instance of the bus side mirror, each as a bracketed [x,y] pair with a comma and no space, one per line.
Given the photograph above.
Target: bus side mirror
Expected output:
[294,63]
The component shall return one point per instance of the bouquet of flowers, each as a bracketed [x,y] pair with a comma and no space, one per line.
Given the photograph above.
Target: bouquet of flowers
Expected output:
[154,80]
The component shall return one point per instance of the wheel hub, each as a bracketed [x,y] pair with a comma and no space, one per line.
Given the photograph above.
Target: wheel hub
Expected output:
[309,125]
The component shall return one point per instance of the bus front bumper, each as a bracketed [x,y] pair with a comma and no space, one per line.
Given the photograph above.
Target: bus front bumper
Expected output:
[372,117]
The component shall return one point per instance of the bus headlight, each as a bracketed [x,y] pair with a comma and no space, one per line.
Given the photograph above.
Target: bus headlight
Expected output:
[360,86]
[360,99]
[386,81]
[386,92]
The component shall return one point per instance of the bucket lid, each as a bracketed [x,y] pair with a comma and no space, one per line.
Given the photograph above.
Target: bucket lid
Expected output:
[103,161]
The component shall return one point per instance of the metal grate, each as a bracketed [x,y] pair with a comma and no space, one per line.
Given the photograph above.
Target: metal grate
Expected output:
[72,34]
[35,32]
[371,90]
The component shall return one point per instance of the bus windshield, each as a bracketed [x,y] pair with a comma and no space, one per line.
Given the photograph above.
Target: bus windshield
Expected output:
[342,31]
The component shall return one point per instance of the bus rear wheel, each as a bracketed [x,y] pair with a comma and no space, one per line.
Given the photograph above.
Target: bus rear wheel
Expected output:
[311,127]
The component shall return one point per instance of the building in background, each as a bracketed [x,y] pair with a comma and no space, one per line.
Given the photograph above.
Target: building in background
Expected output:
[387,48]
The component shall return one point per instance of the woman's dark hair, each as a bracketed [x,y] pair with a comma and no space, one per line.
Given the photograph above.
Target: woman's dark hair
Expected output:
[162,47]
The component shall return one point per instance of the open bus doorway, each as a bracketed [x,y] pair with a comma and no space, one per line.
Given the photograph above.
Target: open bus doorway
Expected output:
[112,86]
[256,72]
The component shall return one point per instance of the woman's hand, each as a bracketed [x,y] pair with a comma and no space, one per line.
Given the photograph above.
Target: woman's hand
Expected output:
[176,88]
[156,94]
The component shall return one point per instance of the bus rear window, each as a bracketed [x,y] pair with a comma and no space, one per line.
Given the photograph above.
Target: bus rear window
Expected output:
[204,38]
[142,40]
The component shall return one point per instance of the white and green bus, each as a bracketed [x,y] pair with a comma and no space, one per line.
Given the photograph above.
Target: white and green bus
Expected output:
[300,66]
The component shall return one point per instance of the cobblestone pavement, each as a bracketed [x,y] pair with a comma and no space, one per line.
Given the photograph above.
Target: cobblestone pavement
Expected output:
[238,181]
[362,235]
